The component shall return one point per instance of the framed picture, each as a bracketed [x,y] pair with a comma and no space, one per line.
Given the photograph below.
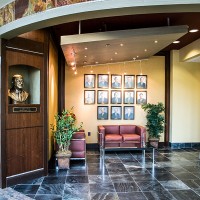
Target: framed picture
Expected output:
[129,81]
[116,112]
[116,81]
[102,112]
[129,96]
[129,112]
[141,97]
[102,80]
[102,97]
[141,81]
[116,97]
[89,97]
[89,80]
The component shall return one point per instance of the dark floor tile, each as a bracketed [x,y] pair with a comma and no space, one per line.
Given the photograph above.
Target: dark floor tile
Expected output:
[76,188]
[102,188]
[99,179]
[193,184]
[174,185]
[37,181]
[184,175]
[48,196]
[98,171]
[131,196]
[54,180]
[77,172]
[185,194]
[77,179]
[28,195]
[58,172]
[51,189]
[143,177]
[78,196]
[121,178]
[135,170]
[164,176]
[104,196]
[117,168]
[156,170]
[149,185]
[126,187]
[27,189]
[159,195]
[192,168]
[175,169]
[113,160]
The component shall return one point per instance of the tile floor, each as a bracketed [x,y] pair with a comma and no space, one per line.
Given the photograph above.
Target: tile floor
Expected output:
[123,176]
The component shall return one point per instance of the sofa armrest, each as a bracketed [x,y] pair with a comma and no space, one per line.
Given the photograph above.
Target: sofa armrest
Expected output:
[101,135]
[142,132]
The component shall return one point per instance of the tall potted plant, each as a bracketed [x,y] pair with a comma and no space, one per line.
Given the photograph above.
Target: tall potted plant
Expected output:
[63,132]
[155,121]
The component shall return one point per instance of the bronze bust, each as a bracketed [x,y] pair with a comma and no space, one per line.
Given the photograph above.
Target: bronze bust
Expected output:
[16,93]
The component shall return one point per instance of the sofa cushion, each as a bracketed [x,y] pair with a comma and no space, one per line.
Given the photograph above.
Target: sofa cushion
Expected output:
[127,129]
[130,137]
[111,129]
[113,138]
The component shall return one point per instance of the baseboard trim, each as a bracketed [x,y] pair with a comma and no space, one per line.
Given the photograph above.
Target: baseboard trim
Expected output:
[184,145]
[92,146]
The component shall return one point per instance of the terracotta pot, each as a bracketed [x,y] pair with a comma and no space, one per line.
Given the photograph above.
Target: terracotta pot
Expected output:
[64,160]
[154,142]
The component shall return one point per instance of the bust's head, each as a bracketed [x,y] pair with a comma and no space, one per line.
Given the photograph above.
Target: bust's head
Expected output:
[17,82]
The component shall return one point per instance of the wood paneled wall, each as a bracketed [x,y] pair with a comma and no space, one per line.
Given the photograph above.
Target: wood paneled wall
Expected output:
[24,135]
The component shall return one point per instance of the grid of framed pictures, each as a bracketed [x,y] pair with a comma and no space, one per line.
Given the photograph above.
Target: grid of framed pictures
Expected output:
[115,89]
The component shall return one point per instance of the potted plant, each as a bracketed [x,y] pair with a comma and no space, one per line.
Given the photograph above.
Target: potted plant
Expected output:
[63,132]
[155,121]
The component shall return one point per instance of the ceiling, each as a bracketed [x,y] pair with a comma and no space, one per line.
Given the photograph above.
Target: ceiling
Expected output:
[103,37]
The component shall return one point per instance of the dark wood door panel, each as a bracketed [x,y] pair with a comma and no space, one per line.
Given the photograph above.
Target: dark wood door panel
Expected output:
[24,150]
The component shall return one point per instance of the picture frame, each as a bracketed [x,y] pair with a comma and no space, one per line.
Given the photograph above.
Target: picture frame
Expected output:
[116,81]
[141,97]
[89,97]
[102,80]
[129,97]
[129,112]
[116,113]
[129,81]
[102,96]
[102,112]
[116,97]
[141,81]
[89,80]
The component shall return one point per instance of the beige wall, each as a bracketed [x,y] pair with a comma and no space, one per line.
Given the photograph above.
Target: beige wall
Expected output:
[153,68]
[185,100]
[53,91]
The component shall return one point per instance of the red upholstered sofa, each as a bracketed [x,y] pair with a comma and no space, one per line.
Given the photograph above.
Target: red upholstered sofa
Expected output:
[78,145]
[121,136]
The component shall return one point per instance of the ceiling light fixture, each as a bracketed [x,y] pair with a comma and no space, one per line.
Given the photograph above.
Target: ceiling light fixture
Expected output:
[121,45]
[91,71]
[107,45]
[97,62]
[193,30]
[145,50]
[156,41]
[74,68]
[115,53]
[176,42]
[86,48]
[85,56]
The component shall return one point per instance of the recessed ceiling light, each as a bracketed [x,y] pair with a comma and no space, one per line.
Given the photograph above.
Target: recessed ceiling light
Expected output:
[137,56]
[73,68]
[86,48]
[72,63]
[111,59]
[176,42]
[96,62]
[115,53]
[85,56]
[193,30]
[156,41]
[145,50]
[121,45]
[107,45]
[84,62]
